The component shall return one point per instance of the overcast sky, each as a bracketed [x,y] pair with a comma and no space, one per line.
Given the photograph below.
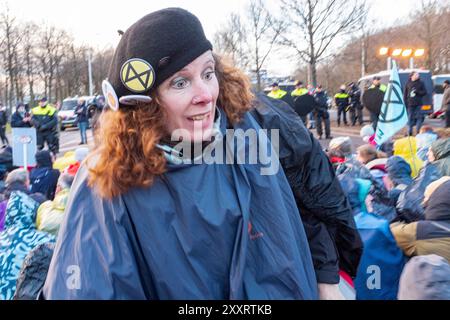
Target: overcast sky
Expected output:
[95,22]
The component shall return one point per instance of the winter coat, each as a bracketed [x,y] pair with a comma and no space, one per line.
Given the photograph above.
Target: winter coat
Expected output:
[407,149]
[380,248]
[81,113]
[34,271]
[17,240]
[355,97]
[432,235]
[44,180]
[320,102]
[17,121]
[51,213]
[409,203]
[44,119]
[414,92]
[334,241]
[441,151]
[3,118]
[150,243]
[425,278]
[399,171]
[446,99]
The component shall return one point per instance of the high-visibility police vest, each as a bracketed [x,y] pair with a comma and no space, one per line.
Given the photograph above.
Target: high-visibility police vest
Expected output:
[341,95]
[48,110]
[299,92]
[382,87]
[279,94]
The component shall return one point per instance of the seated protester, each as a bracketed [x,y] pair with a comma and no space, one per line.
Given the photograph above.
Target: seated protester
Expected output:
[336,158]
[374,160]
[20,118]
[439,155]
[345,146]
[425,278]
[407,149]
[367,133]
[17,180]
[398,177]
[424,140]
[17,239]
[442,133]
[44,178]
[51,213]
[432,235]
[380,248]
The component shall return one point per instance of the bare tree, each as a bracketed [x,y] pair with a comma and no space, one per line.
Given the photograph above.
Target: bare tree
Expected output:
[51,54]
[9,49]
[430,27]
[231,40]
[264,30]
[29,56]
[315,24]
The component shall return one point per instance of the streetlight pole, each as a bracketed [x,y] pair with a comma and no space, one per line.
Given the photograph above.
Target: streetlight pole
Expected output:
[91,89]
[411,62]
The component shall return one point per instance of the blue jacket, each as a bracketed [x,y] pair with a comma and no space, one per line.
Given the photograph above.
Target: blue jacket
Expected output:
[199,232]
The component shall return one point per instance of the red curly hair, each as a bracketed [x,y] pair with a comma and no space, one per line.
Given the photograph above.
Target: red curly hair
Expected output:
[126,154]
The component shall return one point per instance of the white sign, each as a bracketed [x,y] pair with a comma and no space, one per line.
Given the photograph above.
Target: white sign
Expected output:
[24,147]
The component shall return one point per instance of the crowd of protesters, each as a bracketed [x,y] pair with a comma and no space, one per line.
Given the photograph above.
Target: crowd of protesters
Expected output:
[31,210]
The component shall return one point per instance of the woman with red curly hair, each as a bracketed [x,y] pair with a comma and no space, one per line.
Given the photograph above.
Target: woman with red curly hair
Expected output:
[150,220]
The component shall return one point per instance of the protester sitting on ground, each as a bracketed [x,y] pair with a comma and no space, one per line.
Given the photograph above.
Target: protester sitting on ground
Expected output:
[425,277]
[51,213]
[398,177]
[439,155]
[344,145]
[374,160]
[17,180]
[44,178]
[380,248]
[17,239]
[432,235]
[336,158]
[368,135]
[407,149]
[424,140]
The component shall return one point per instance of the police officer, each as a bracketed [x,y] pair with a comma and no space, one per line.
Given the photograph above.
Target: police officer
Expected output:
[46,123]
[321,112]
[280,94]
[356,109]
[342,101]
[299,91]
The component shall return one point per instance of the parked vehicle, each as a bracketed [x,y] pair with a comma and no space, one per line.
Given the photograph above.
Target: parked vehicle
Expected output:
[425,75]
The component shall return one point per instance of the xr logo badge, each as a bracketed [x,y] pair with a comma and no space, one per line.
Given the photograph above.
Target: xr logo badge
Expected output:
[394,100]
[137,75]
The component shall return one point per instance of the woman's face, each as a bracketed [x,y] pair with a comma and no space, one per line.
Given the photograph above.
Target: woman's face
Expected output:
[430,155]
[189,98]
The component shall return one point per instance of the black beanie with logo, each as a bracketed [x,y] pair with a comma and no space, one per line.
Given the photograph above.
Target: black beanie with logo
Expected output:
[154,48]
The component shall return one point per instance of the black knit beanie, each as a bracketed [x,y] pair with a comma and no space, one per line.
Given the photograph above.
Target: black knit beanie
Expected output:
[153,49]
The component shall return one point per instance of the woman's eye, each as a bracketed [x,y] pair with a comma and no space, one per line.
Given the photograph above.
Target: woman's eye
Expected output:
[209,75]
[180,83]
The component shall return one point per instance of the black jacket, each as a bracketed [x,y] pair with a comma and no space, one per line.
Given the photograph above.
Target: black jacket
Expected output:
[3,118]
[17,121]
[326,214]
[414,92]
[320,102]
[82,113]
[355,97]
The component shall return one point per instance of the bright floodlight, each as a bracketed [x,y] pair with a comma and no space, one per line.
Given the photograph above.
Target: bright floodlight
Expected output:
[419,52]
[407,53]
[384,51]
[397,52]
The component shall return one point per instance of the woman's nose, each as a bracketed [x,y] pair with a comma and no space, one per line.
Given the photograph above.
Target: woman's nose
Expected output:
[202,94]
